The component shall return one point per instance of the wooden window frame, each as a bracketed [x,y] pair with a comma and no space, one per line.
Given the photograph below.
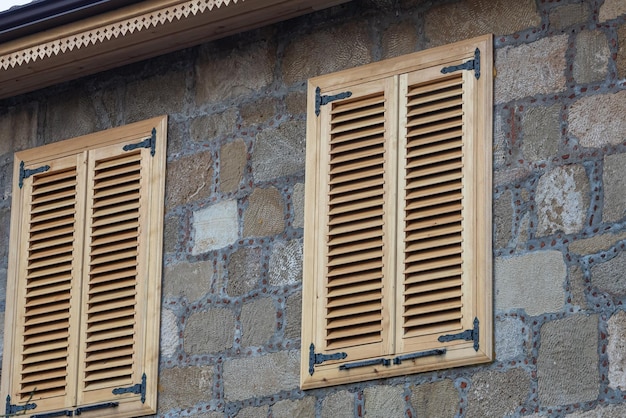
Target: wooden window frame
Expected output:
[396,353]
[92,160]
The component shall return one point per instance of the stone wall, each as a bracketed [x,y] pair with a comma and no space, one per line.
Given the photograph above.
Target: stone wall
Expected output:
[230,326]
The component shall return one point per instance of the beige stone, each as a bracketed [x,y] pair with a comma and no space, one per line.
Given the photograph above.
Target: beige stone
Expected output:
[616,350]
[567,364]
[338,405]
[297,198]
[592,57]
[183,387]
[215,226]
[547,59]
[293,316]
[208,127]
[570,14]
[541,127]
[503,219]
[259,111]
[171,228]
[299,408]
[244,270]
[609,276]
[602,411]
[620,60]
[499,142]
[577,287]
[436,399]
[279,152]
[384,401]
[188,179]
[169,333]
[253,412]
[69,115]
[258,322]
[155,96]
[592,119]
[614,187]
[497,394]
[611,9]
[400,39]
[596,243]
[189,280]
[462,20]
[233,159]
[296,103]
[265,213]
[285,266]
[209,332]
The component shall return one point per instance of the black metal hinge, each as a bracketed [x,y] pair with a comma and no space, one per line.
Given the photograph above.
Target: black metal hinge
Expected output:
[318,358]
[365,363]
[96,407]
[420,354]
[26,173]
[324,100]
[146,143]
[468,335]
[14,409]
[66,413]
[468,65]
[137,388]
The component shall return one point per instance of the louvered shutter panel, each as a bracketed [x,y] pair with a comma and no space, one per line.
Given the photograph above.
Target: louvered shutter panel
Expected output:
[49,280]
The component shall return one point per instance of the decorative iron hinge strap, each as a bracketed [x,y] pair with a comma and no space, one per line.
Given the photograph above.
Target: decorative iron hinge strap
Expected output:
[65,413]
[365,363]
[318,358]
[436,352]
[146,143]
[14,409]
[26,173]
[468,335]
[468,65]
[324,100]
[138,388]
[96,407]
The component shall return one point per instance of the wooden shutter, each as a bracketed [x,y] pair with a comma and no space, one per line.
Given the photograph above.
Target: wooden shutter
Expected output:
[397,270]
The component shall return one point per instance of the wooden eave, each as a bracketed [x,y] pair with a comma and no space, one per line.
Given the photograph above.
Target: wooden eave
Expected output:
[131,34]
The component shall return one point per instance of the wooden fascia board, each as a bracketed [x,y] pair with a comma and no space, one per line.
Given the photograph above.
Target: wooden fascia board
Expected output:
[132,34]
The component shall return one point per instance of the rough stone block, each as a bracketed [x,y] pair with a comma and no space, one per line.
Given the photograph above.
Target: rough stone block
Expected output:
[547,59]
[384,401]
[253,411]
[285,266]
[567,364]
[265,213]
[562,200]
[297,198]
[258,322]
[169,333]
[69,115]
[258,376]
[596,243]
[209,332]
[171,226]
[188,178]
[463,20]
[189,280]
[602,411]
[616,350]
[233,159]
[222,75]
[293,316]
[208,127]
[503,219]
[155,96]
[609,276]
[183,387]
[509,338]
[296,103]
[436,399]
[259,111]
[568,15]
[497,394]
[319,52]
[592,57]
[500,150]
[533,282]
[20,128]
[620,60]
[215,226]
[5,228]
[400,39]
[592,119]
[244,269]
[279,152]
[300,408]
[577,287]
[611,9]
[541,127]
[614,187]
[338,405]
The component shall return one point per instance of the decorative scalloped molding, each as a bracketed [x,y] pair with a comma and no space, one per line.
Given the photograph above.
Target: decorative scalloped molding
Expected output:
[107,32]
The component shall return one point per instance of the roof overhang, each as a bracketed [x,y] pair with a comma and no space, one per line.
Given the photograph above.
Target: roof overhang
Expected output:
[132,33]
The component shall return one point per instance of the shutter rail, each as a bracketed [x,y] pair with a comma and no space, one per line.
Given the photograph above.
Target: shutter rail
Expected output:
[419,354]
[96,407]
[66,413]
[365,363]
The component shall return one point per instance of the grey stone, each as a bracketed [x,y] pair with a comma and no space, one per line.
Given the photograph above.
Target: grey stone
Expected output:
[209,332]
[233,159]
[155,96]
[609,276]
[614,187]
[299,408]
[258,111]
[384,401]
[502,219]
[496,394]
[171,227]
[499,142]
[5,227]
[273,372]
[542,132]
[297,198]
[189,280]
[592,119]
[570,14]
[577,287]
[169,333]
[244,270]
[293,316]
[279,152]
[19,127]
[616,350]
[602,411]
[258,322]
[296,103]
[215,226]
[69,115]
[285,266]
[253,412]
[509,338]
[547,59]
[592,57]
[208,127]
[562,200]
[265,213]
[400,39]
[188,179]
[183,387]
[567,364]
[596,243]
[338,405]
[611,9]
[620,60]
[436,399]
[533,282]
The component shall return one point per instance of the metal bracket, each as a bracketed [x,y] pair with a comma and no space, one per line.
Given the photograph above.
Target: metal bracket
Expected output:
[318,358]
[436,352]
[468,335]
[26,172]
[146,143]
[14,409]
[324,100]
[137,388]
[468,65]
[95,407]
[348,366]
[66,413]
